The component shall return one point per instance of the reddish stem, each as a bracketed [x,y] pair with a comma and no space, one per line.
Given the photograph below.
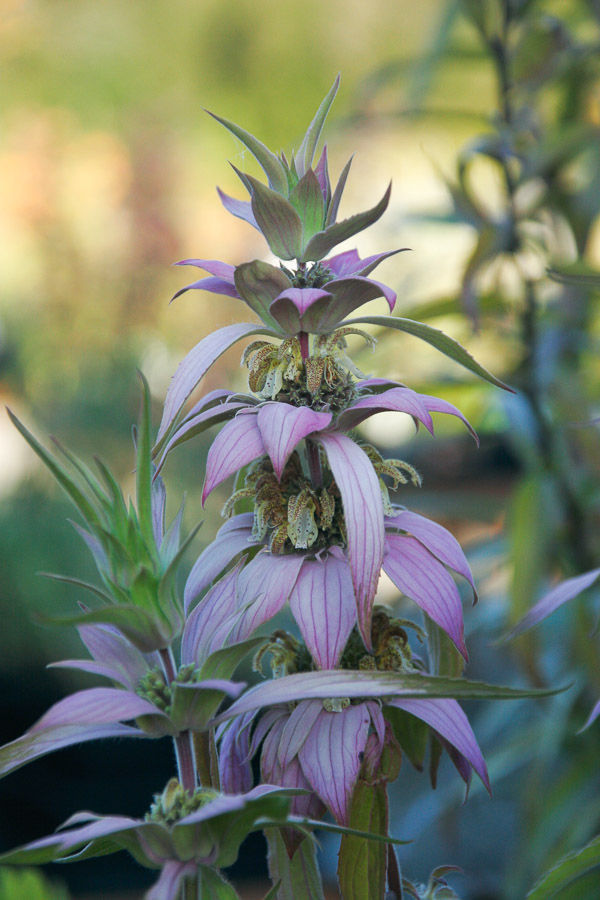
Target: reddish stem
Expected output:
[303,338]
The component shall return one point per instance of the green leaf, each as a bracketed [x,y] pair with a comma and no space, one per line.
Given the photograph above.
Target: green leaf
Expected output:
[442,342]
[334,203]
[362,863]
[92,588]
[143,473]
[270,164]
[320,245]
[29,884]
[64,479]
[136,624]
[298,877]
[570,867]
[305,155]
[223,663]
[193,706]
[349,683]
[277,219]
[411,733]
[258,283]
[272,894]
[214,887]
[307,200]
[584,281]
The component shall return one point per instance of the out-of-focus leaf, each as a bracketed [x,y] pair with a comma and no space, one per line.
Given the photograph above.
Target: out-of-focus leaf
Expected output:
[572,866]
[29,884]
[591,281]
[530,540]
[565,591]
[537,56]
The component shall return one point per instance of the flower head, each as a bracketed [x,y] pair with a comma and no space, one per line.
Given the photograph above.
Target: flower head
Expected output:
[184,834]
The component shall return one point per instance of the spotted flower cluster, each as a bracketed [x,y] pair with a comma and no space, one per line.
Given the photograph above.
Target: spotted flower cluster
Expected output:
[310,525]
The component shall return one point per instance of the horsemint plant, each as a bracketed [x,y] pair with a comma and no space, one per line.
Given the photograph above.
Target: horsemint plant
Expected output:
[349,693]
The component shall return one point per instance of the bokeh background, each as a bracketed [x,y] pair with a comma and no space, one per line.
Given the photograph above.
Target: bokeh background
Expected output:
[489,129]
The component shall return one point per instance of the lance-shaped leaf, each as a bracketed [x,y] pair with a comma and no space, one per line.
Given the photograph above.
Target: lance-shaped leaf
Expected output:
[363,515]
[361,684]
[75,491]
[307,200]
[144,471]
[436,404]
[264,586]
[322,603]
[349,263]
[238,443]
[233,538]
[306,152]
[33,745]
[259,283]
[442,342]
[147,632]
[419,575]
[196,364]
[562,593]
[270,164]
[220,282]
[205,620]
[592,716]
[322,173]
[572,866]
[95,706]
[337,196]
[283,426]
[196,424]
[195,703]
[447,718]
[277,219]
[110,649]
[436,539]
[320,245]
[241,209]
[398,399]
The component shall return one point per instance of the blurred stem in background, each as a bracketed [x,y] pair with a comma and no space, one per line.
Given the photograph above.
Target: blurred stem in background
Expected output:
[529,188]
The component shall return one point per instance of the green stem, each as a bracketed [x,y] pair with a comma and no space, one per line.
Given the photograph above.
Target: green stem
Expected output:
[184,755]
[190,888]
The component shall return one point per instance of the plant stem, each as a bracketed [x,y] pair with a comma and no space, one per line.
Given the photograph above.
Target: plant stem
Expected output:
[190,888]
[206,759]
[304,348]
[184,755]
[312,451]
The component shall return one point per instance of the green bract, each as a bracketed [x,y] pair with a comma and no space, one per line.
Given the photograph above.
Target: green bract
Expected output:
[134,555]
[297,211]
